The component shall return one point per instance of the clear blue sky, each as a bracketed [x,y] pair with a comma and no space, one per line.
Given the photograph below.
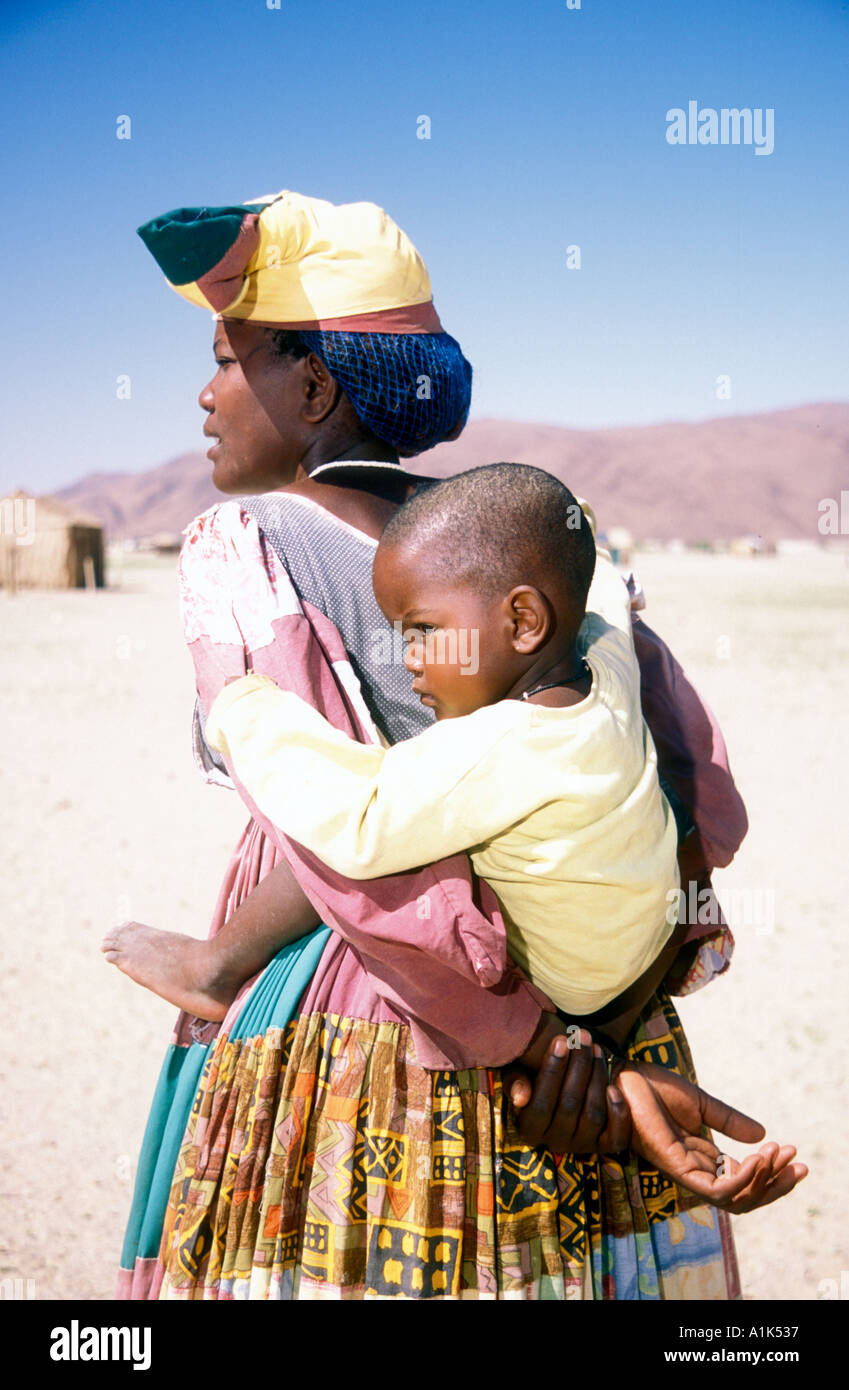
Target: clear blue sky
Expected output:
[548,128]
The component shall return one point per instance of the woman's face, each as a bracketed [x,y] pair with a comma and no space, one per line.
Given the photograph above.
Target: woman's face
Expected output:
[253,408]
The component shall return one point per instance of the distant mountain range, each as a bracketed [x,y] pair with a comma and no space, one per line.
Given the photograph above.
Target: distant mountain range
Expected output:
[758,475]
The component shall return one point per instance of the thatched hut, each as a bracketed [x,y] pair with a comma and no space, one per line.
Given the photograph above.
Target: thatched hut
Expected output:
[162,543]
[44,544]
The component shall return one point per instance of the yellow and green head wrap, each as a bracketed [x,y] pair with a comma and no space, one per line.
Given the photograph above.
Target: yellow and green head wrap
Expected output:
[288,261]
[349,281]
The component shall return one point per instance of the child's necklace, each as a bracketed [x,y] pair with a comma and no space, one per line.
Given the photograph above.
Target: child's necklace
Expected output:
[584,671]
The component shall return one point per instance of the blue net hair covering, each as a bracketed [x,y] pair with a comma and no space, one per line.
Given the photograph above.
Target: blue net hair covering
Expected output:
[413,390]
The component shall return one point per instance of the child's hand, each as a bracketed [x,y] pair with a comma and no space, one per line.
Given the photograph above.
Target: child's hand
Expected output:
[667,1114]
[566,1104]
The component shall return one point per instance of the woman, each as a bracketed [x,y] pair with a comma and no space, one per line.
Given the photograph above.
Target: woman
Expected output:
[343,1139]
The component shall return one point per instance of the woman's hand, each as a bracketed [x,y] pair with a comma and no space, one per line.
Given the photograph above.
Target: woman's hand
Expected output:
[569,1107]
[667,1114]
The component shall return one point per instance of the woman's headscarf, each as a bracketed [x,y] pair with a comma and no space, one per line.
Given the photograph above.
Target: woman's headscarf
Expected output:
[349,282]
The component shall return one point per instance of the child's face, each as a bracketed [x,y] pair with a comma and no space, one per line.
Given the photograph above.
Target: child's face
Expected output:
[457,643]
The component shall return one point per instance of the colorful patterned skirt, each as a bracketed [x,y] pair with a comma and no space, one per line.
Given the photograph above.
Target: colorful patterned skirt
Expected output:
[320,1161]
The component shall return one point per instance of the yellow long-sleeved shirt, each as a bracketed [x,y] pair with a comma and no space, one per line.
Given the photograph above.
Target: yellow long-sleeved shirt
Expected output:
[560,810]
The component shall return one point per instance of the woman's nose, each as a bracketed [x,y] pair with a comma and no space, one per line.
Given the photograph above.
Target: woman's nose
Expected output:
[206,399]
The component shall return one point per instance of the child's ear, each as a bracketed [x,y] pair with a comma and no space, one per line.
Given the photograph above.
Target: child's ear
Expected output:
[530,618]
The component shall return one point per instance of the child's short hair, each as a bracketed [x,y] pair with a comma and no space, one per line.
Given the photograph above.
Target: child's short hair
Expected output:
[499,526]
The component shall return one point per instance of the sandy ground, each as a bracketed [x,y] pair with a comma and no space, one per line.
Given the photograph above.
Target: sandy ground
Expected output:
[104,818]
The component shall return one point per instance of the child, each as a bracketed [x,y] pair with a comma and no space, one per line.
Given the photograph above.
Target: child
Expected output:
[540,765]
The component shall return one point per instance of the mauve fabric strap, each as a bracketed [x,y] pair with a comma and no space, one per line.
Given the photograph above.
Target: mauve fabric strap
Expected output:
[691,753]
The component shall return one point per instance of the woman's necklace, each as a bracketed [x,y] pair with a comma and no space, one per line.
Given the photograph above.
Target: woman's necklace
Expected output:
[584,671]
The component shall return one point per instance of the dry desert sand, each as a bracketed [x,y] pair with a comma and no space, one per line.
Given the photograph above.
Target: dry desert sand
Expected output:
[104,818]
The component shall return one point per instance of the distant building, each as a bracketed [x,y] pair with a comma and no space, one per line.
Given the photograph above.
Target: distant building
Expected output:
[751,545]
[45,544]
[162,543]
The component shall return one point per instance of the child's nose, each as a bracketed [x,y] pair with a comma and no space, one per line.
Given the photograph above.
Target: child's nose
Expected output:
[413,658]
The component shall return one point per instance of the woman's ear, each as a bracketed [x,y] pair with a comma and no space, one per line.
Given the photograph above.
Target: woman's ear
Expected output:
[321,390]
[531,618]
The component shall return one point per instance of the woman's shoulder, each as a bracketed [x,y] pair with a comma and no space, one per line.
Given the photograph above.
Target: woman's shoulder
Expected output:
[229,574]
[233,523]
[220,522]
[224,537]
[217,546]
